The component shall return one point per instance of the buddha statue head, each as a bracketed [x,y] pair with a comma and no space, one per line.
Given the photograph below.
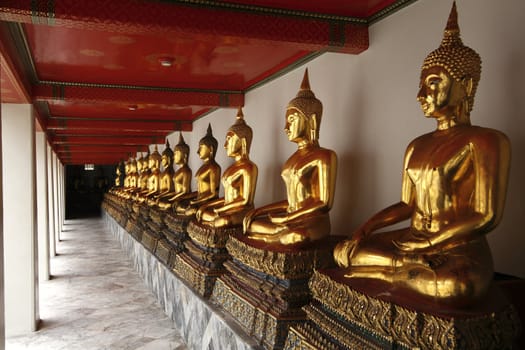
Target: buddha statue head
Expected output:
[154,159]
[303,115]
[450,76]
[208,145]
[182,151]
[167,156]
[239,137]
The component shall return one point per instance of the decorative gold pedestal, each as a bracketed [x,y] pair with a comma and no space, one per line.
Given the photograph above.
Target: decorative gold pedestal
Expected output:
[202,261]
[112,204]
[371,314]
[175,231]
[266,285]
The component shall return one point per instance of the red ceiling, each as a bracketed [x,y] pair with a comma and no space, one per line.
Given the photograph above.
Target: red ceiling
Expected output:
[93,68]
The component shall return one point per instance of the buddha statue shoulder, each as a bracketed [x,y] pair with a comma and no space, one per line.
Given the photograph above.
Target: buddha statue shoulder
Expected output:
[309,175]
[207,176]
[165,177]
[181,178]
[453,192]
[239,180]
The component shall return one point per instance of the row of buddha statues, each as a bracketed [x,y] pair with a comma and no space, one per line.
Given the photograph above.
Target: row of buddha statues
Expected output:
[453,189]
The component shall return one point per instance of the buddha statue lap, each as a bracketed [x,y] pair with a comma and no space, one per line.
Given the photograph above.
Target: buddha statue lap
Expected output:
[239,181]
[207,177]
[181,178]
[453,192]
[309,175]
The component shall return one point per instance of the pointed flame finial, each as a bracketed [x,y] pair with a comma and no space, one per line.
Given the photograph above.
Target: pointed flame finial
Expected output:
[305,84]
[167,143]
[240,115]
[181,138]
[209,131]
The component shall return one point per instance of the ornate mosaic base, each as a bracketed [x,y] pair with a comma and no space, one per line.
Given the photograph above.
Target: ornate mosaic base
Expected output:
[209,236]
[341,316]
[201,278]
[284,262]
[266,287]
[254,315]
[157,217]
[165,252]
[149,240]
[175,230]
[269,330]
[176,223]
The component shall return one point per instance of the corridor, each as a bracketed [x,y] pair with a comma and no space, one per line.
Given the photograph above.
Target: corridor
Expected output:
[95,300]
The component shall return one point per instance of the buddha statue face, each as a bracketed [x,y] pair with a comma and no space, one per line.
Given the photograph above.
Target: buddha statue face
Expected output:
[204,151]
[296,127]
[233,144]
[440,94]
[165,161]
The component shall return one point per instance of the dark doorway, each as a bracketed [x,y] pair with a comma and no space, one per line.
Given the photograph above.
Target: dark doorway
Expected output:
[85,189]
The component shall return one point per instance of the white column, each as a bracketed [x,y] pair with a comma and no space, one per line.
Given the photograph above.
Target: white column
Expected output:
[2,295]
[42,206]
[61,197]
[51,202]
[55,198]
[20,234]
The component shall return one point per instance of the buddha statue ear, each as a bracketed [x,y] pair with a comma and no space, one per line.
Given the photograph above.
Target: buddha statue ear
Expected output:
[244,149]
[312,124]
[468,85]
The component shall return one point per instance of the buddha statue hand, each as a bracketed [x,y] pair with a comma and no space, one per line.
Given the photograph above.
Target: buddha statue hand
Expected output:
[415,241]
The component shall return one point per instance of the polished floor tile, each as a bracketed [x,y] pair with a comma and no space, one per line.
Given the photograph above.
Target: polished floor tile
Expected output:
[96,300]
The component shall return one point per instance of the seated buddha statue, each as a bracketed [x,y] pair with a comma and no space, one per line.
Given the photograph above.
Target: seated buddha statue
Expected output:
[207,177]
[118,174]
[239,180]
[165,177]
[453,192]
[309,175]
[153,180]
[131,179]
[181,178]
[143,172]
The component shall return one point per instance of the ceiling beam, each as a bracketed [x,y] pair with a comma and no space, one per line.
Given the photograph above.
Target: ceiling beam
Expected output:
[132,96]
[104,140]
[249,24]
[99,149]
[119,127]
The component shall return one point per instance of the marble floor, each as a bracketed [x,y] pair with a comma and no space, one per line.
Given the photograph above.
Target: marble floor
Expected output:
[96,300]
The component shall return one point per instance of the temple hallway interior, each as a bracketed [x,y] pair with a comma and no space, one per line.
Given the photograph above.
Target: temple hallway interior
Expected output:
[95,299]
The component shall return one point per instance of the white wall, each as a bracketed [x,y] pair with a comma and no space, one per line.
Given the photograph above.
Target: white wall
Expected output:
[371,113]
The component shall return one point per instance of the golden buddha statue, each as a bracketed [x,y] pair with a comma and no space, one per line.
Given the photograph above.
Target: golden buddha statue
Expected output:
[181,178]
[143,172]
[153,180]
[239,180]
[165,178]
[130,179]
[117,175]
[453,192]
[208,176]
[309,175]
